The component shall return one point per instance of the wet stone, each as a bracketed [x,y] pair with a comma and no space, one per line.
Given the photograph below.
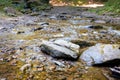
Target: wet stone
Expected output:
[115,72]
[37,29]
[25,67]
[101,53]
[58,51]
[96,27]
[59,63]
[100,21]
[83,44]
[68,44]
[43,24]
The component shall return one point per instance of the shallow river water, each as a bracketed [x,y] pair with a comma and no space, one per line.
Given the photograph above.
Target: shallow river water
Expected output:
[21,37]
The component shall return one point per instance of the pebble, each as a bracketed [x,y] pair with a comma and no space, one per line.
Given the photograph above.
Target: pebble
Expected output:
[52,67]
[25,67]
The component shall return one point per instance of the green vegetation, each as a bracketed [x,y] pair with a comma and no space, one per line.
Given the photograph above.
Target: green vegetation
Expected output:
[23,5]
[4,3]
[112,6]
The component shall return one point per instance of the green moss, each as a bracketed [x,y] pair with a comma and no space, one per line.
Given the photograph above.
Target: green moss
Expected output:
[113,6]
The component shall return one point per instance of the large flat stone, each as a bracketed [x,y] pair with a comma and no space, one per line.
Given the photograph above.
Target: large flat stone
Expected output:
[68,44]
[101,53]
[58,51]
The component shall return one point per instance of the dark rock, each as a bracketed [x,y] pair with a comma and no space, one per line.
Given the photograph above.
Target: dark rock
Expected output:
[96,27]
[64,13]
[110,63]
[59,29]
[20,32]
[37,29]
[115,72]
[83,44]
[62,17]
[53,17]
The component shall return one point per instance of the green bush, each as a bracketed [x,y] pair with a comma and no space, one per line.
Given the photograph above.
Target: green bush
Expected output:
[4,3]
[112,6]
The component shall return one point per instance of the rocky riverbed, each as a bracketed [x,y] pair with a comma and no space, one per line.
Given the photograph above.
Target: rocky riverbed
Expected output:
[69,33]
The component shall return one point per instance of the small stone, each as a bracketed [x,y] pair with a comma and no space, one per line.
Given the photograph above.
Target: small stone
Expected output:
[96,27]
[58,35]
[100,21]
[14,56]
[40,69]
[13,62]
[52,67]
[43,24]
[53,17]
[25,67]
[37,29]
[1,59]
[20,32]
[59,63]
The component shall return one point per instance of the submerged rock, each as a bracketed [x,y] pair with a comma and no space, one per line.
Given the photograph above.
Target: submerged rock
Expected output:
[96,27]
[101,53]
[115,72]
[58,51]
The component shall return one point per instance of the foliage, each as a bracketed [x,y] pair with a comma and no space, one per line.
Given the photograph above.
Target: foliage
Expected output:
[112,6]
[4,3]
[21,5]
